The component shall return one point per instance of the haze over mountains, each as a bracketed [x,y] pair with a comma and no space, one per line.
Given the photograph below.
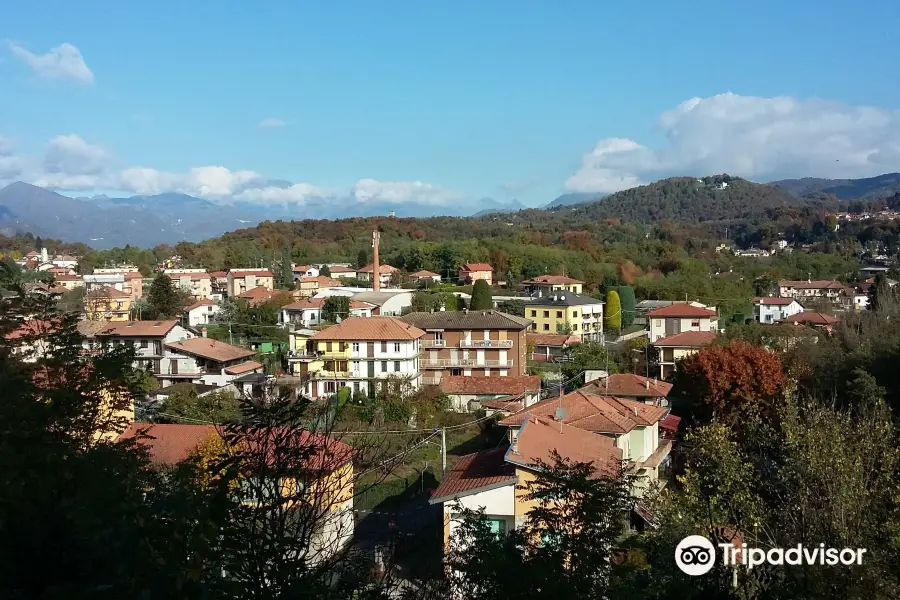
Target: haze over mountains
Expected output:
[145,221]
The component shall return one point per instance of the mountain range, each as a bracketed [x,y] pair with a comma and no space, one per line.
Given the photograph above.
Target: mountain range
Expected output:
[145,221]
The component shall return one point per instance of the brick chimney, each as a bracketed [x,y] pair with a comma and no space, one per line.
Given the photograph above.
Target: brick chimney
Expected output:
[203,332]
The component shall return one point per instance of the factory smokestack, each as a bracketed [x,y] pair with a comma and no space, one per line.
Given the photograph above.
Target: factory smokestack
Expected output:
[376,271]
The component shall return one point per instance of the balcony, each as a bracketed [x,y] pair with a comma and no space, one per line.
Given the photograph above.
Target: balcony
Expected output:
[486,344]
[430,380]
[440,363]
[434,344]
[302,355]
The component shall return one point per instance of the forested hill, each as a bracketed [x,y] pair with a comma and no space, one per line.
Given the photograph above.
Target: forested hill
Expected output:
[688,199]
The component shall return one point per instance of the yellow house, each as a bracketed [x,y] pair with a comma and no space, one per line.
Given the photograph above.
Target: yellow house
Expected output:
[495,480]
[567,312]
[106,303]
[546,284]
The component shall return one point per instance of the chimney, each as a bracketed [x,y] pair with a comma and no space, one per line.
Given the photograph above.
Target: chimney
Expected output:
[648,385]
[203,332]
[634,408]
[376,272]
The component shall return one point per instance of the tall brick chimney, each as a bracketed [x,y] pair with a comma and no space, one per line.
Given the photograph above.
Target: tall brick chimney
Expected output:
[376,272]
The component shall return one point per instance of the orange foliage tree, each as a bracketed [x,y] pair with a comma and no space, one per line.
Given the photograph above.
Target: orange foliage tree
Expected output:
[731,381]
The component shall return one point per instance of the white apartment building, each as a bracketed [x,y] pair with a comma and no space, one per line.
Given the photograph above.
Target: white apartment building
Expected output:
[201,313]
[363,353]
[195,282]
[679,318]
[773,310]
[243,280]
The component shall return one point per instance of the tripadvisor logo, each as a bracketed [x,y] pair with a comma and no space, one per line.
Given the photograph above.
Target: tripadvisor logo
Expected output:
[696,555]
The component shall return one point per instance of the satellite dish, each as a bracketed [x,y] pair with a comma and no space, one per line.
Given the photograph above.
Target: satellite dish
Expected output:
[560,413]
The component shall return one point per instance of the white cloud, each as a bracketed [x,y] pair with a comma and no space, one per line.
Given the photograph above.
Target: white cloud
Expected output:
[402,192]
[63,62]
[753,137]
[69,154]
[271,123]
[297,193]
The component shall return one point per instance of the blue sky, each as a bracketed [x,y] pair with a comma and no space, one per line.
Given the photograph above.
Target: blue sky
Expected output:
[504,99]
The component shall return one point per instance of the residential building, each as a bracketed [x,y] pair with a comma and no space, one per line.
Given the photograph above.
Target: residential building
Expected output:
[678,318]
[258,295]
[363,353]
[495,481]
[308,312]
[489,343]
[150,340]
[631,387]
[386,272]
[305,271]
[813,319]
[201,313]
[772,310]
[196,283]
[307,287]
[472,272]
[387,303]
[170,444]
[303,359]
[633,426]
[780,244]
[218,282]
[125,278]
[469,393]
[426,277]
[35,348]
[65,261]
[208,362]
[243,280]
[342,272]
[547,284]
[551,347]
[70,282]
[567,312]
[674,347]
[107,304]
[810,289]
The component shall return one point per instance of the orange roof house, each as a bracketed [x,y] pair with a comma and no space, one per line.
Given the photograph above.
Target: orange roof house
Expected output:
[472,272]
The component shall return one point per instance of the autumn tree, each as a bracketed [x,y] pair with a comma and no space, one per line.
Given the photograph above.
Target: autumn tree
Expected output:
[729,382]
[612,313]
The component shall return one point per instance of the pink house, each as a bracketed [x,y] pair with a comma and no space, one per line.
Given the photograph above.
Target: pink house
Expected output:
[472,272]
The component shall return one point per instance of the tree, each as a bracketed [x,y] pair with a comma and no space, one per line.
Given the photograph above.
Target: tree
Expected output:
[362,258]
[163,299]
[184,405]
[563,550]
[38,243]
[612,313]
[336,309]
[481,296]
[586,356]
[730,382]
[287,269]
[512,307]
[881,296]
[325,271]
[627,302]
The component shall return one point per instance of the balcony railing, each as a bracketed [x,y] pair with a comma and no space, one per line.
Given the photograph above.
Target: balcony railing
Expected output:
[440,363]
[434,343]
[302,354]
[430,380]
[485,344]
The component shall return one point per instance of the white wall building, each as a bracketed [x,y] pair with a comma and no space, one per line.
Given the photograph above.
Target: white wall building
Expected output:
[678,318]
[773,310]
[201,313]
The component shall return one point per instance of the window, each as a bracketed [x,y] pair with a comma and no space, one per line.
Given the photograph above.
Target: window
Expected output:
[546,314]
[574,326]
[356,346]
[534,326]
[396,366]
[559,314]
[695,323]
[209,309]
[498,526]
[533,313]
[144,344]
[546,326]
[575,314]
[397,347]
[384,347]
[327,346]
[384,366]
[439,336]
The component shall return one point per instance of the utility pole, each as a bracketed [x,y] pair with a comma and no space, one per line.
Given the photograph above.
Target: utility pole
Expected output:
[443,450]
[376,271]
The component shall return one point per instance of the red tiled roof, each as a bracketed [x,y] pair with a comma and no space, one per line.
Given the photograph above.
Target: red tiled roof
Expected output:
[538,438]
[470,267]
[812,318]
[257,295]
[773,301]
[423,273]
[245,367]
[382,269]
[307,304]
[688,339]
[339,269]
[507,404]
[306,450]
[260,273]
[593,412]
[199,303]
[211,349]
[682,310]
[169,444]
[552,280]
[370,328]
[138,328]
[107,292]
[811,285]
[302,268]
[480,384]
[31,328]
[218,274]
[630,386]
[475,472]
[671,423]
[552,339]
[133,275]
[67,277]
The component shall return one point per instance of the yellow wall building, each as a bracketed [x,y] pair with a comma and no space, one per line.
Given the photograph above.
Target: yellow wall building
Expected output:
[566,312]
